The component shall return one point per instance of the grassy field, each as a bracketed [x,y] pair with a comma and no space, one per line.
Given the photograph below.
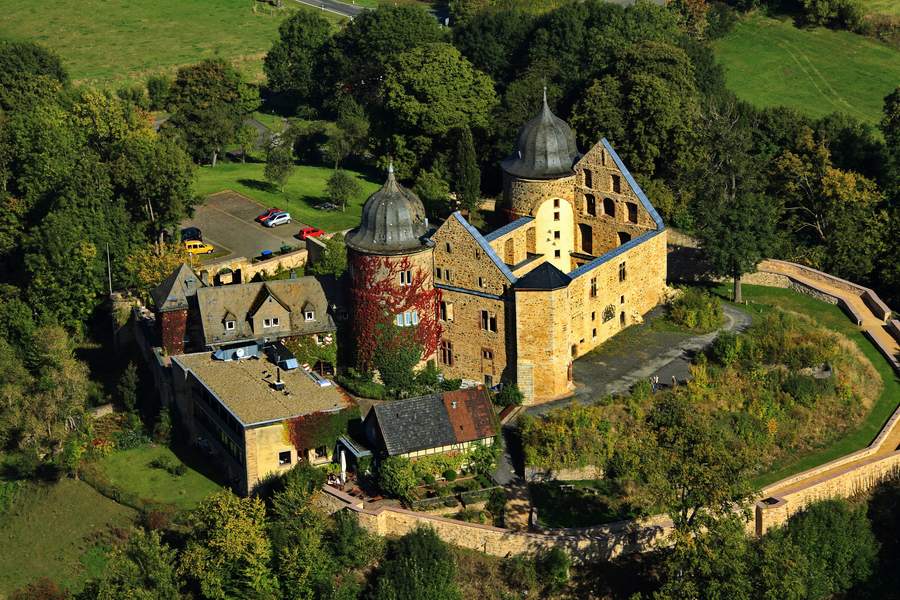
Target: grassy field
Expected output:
[770,62]
[832,317]
[109,42]
[881,7]
[303,191]
[57,531]
[130,471]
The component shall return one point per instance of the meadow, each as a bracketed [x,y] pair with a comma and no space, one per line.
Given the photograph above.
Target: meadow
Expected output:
[770,62]
[303,191]
[114,42]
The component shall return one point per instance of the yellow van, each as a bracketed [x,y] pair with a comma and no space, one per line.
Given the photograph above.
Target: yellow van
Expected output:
[198,247]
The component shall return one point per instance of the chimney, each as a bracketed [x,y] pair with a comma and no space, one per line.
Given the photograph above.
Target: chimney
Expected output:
[278,384]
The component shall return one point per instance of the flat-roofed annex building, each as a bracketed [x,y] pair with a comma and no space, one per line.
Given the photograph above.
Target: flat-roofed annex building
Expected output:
[236,405]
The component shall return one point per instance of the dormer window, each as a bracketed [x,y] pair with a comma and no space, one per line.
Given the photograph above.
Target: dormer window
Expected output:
[274,321]
[267,322]
[229,325]
[309,315]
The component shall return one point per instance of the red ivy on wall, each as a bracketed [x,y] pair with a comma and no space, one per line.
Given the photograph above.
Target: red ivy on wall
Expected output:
[318,429]
[378,298]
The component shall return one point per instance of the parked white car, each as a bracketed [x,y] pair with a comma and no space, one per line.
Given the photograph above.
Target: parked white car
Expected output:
[278,219]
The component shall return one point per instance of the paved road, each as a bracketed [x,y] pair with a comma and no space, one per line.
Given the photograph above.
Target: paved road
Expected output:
[227,222]
[340,8]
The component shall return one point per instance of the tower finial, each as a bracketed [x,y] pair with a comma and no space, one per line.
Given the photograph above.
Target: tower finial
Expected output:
[545,94]
[391,167]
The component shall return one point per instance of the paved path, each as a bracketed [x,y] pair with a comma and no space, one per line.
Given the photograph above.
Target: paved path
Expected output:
[610,370]
[333,6]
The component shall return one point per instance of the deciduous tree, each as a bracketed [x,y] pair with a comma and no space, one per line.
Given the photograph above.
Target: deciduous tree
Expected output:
[293,63]
[418,565]
[333,260]
[279,163]
[143,569]
[468,176]
[341,188]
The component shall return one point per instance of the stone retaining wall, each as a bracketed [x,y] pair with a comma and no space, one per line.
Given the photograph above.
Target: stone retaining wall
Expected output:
[893,328]
[538,474]
[244,269]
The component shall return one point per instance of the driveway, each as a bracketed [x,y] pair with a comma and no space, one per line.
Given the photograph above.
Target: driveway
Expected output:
[640,353]
[227,222]
[340,8]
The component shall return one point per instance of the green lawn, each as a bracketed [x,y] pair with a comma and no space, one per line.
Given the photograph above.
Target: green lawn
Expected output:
[834,318]
[57,531]
[304,189]
[881,7]
[108,42]
[770,62]
[130,471]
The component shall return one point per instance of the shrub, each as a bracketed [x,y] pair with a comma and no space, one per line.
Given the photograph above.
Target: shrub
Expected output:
[509,395]
[397,478]
[172,466]
[520,573]
[805,389]
[451,385]
[131,438]
[449,474]
[364,388]
[162,431]
[696,310]
[553,570]
[136,95]
[726,348]
[496,505]
[158,91]
[418,565]
[428,478]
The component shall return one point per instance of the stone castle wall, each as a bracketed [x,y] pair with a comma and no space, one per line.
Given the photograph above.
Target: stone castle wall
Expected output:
[521,197]
[244,270]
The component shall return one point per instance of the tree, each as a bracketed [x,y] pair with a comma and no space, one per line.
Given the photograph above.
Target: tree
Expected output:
[397,478]
[495,42]
[227,554]
[779,567]
[209,101]
[142,569]
[279,163]
[509,395]
[553,570]
[434,191]
[890,128]
[128,387]
[838,544]
[293,63]
[396,357]
[246,138]
[693,468]
[297,530]
[431,89]
[418,565]
[333,260]
[468,176]
[148,266]
[27,69]
[713,564]
[735,236]
[158,88]
[341,187]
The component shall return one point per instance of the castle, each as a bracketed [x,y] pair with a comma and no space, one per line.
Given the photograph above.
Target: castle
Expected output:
[583,255]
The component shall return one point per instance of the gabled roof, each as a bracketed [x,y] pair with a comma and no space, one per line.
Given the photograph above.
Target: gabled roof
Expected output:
[485,247]
[435,420]
[242,300]
[543,277]
[173,293]
[507,228]
[634,185]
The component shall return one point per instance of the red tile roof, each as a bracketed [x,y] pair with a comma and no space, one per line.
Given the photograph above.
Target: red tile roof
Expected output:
[471,414]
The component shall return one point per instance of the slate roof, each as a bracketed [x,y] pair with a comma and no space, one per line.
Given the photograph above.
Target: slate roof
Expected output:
[433,421]
[393,221]
[173,293]
[545,149]
[507,228]
[242,300]
[543,277]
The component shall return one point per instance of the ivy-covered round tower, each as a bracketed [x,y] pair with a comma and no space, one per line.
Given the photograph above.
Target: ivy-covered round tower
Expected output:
[391,285]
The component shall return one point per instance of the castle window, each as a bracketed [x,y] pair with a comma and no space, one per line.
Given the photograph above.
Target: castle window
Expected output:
[274,321]
[590,205]
[284,458]
[447,275]
[622,272]
[556,235]
[487,354]
[609,207]
[621,299]
[309,315]
[556,254]
[588,178]
[624,237]
[477,253]
[593,316]
[267,322]
[229,325]
[449,249]
[488,321]
[603,158]
[593,287]
[594,332]
[446,353]
[609,313]
[617,184]
[446,311]
[405,277]
[556,216]
[437,273]
[407,319]
[481,282]
[556,203]
[632,212]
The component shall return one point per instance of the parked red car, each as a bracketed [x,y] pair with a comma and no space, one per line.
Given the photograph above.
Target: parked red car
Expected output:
[308,232]
[270,212]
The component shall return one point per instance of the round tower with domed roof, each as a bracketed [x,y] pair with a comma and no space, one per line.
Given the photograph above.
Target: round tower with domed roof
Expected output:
[539,182]
[390,260]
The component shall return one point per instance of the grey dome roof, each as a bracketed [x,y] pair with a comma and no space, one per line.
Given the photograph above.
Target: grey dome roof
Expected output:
[393,221]
[545,150]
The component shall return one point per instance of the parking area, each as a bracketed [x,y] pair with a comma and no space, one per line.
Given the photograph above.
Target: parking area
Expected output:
[227,222]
